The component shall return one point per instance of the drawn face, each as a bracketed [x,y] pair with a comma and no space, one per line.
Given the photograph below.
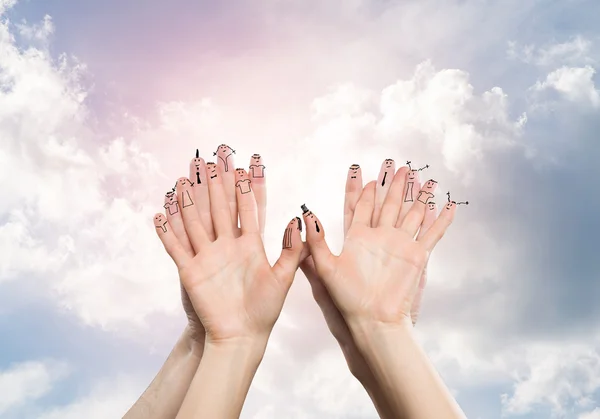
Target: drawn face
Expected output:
[241,173]
[211,169]
[159,220]
[224,150]
[196,162]
[182,181]
[431,206]
[388,163]
[255,159]
[449,205]
[412,174]
[170,197]
[354,170]
[430,185]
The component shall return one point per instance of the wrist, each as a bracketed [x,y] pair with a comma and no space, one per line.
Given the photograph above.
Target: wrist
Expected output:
[192,343]
[367,333]
[249,350]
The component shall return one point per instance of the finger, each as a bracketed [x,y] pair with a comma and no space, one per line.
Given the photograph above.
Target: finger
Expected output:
[439,227]
[170,241]
[353,190]
[191,218]
[315,238]
[246,203]
[201,195]
[174,217]
[287,264]
[428,219]
[219,207]
[364,207]
[393,201]
[319,292]
[225,163]
[414,218]
[410,193]
[256,170]
[384,181]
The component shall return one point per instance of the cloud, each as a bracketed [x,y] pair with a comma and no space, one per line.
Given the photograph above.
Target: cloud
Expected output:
[556,375]
[575,84]
[576,51]
[109,398]
[28,381]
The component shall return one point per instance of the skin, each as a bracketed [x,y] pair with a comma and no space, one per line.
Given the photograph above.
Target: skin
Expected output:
[335,321]
[164,396]
[237,295]
[373,283]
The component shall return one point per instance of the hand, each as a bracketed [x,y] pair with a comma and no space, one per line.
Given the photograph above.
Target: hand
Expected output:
[232,287]
[335,321]
[376,277]
[197,172]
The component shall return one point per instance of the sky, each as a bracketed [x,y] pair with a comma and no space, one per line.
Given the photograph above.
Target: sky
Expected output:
[103,104]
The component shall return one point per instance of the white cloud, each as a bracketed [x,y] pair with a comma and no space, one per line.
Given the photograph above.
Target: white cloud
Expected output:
[595,414]
[28,381]
[557,375]
[576,51]
[575,84]
[108,399]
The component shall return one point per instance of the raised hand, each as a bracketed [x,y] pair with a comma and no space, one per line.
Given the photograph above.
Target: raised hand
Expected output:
[373,283]
[376,276]
[201,197]
[232,287]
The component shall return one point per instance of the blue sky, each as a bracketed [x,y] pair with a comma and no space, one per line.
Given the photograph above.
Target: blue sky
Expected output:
[103,104]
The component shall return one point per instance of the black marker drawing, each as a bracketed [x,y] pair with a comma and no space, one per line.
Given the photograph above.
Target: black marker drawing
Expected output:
[211,168]
[304,209]
[454,202]
[387,163]
[409,192]
[197,161]
[299,224]
[424,196]
[431,205]
[383,181]
[160,222]
[224,152]
[417,170]
[317,226]
[354,169]
[287,238]
[172,205]
[244,185]
[257,169]
[186,199]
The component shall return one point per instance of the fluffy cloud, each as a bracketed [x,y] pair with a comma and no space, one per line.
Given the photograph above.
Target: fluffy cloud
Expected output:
[28,381]
[575,84]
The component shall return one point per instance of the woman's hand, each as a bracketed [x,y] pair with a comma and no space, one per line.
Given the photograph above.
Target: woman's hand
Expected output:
[197,173]
[377,275]
[233,289]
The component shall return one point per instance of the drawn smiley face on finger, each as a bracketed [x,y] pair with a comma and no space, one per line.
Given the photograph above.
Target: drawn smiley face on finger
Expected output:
[411,175]
[430,185]
[431,206]
[241,173]
[170,197]
[388,163]
[449,205]
[159,220]
[211,169]
[354,171]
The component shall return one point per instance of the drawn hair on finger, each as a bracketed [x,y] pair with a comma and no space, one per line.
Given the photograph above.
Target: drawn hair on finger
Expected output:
[450,201]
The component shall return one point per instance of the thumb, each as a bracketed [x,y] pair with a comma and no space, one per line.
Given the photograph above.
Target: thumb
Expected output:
[287,264]
[315,238]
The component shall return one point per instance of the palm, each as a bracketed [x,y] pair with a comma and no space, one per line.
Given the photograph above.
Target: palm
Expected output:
[233,289]
[366,273]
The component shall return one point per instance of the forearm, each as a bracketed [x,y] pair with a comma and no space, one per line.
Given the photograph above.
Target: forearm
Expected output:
[163,398]
[222,380]
[361,371]
[406,377]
